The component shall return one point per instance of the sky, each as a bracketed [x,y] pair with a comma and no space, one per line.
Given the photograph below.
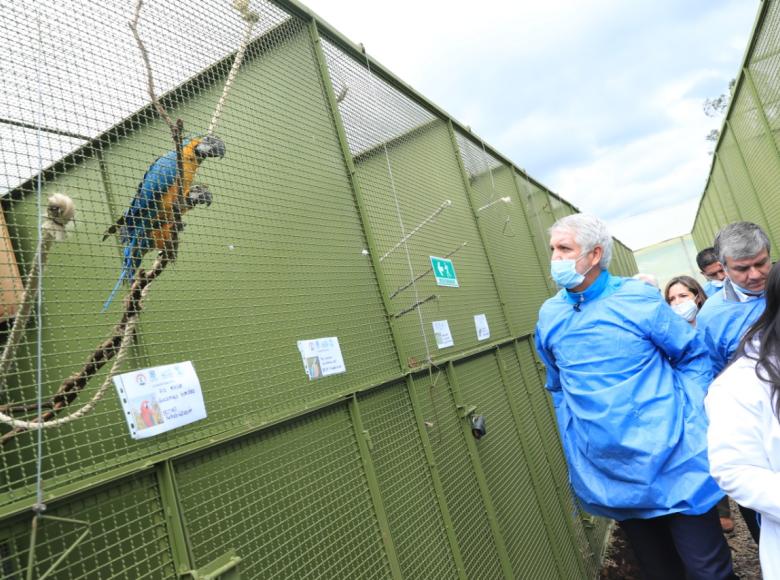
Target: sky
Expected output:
[599,100]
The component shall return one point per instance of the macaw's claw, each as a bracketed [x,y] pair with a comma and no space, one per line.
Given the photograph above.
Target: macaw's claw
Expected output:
[199,194]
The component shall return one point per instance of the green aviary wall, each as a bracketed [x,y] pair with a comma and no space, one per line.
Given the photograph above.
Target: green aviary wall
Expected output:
[338,185]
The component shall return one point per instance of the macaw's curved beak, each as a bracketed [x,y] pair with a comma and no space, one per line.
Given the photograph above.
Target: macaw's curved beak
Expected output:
[210,146]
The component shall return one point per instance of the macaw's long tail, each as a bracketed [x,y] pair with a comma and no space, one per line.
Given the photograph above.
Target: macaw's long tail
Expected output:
[129,265]
[122,277]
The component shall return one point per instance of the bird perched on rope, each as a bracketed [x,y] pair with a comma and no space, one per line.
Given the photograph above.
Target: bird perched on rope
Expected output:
[150,219]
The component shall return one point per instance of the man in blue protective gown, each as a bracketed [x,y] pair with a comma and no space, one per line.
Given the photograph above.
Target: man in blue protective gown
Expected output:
[711,268]
[628,377]
[743,250]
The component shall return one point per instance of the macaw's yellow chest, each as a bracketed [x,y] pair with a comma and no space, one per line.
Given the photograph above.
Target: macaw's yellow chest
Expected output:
[162,235]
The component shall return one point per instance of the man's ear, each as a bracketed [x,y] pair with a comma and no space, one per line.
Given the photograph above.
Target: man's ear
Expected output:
[598,253]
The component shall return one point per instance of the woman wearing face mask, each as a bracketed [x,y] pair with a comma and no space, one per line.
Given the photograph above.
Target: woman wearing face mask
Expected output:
[685,295]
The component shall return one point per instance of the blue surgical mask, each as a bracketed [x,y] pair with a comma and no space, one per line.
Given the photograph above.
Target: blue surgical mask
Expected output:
[717,283]
[748,294]
[564,273]
[687,309]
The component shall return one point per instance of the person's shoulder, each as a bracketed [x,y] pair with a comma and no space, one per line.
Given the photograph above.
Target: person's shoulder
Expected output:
[631,287]
[713,305]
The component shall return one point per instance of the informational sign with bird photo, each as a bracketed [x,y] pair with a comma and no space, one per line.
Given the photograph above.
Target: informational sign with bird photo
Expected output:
[158,399]
[321,357]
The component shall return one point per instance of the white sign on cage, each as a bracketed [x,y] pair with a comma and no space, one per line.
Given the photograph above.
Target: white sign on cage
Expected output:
[481,324]
[158,399]
[441,330]
[321,357]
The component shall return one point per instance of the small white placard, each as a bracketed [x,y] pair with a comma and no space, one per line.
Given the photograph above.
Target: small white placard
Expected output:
[480,322]
[321,357]
[441,330]
[158,399]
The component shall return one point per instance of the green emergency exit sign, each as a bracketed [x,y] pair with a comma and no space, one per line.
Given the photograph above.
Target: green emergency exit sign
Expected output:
[444,271]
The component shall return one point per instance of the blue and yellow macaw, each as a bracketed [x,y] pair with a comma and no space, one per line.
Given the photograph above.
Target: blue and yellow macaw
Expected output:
[149,220]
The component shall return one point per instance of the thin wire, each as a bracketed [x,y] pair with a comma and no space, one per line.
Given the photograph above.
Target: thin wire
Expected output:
[39,298]
[404,237]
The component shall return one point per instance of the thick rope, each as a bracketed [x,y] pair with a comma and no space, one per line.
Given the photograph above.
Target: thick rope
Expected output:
[121,355]
[60,211]
[251,18]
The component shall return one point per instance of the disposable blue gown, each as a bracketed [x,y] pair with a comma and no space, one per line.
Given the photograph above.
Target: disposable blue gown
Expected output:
[628,378]
[710,289]
[724,320]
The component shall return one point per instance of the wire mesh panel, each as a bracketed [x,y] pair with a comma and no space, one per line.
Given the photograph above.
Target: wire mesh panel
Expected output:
[516,267]
[273,248]
[408,494]
[764,65]
[740,181]
[416,206]
[751,130]
[293,502]
[125,536]
[530,196]
[725,193]
[472,527]
[543,413]
[532,420]
[507,472]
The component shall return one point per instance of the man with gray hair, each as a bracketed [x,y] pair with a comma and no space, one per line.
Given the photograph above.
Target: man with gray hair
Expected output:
[743,250]
[627,378]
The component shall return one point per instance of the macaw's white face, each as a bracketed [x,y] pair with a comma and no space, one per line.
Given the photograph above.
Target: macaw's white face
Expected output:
[750,273]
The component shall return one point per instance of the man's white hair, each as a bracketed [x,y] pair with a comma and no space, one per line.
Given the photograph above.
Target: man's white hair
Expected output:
[589,232]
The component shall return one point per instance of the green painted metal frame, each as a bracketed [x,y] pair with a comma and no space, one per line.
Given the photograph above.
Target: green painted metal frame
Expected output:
[464,176]
[441,498]
[760,205]
[532,469]
[338,125]
[498,536]
[364,445]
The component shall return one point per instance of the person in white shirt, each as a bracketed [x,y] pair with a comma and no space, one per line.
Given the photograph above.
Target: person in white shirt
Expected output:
[743,405]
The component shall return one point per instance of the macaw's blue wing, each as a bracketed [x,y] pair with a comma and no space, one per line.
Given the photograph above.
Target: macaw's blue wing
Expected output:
[137,223]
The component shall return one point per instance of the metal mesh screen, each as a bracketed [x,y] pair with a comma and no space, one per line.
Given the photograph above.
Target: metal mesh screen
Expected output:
[458,477]
[507,470]
[738,178]
[302,196]
[544,415]
[276,258]
[292,501]
[742,178]
[416,206]
[405,482]
[762,162]
[519,274]
[532,421]
[126,536]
